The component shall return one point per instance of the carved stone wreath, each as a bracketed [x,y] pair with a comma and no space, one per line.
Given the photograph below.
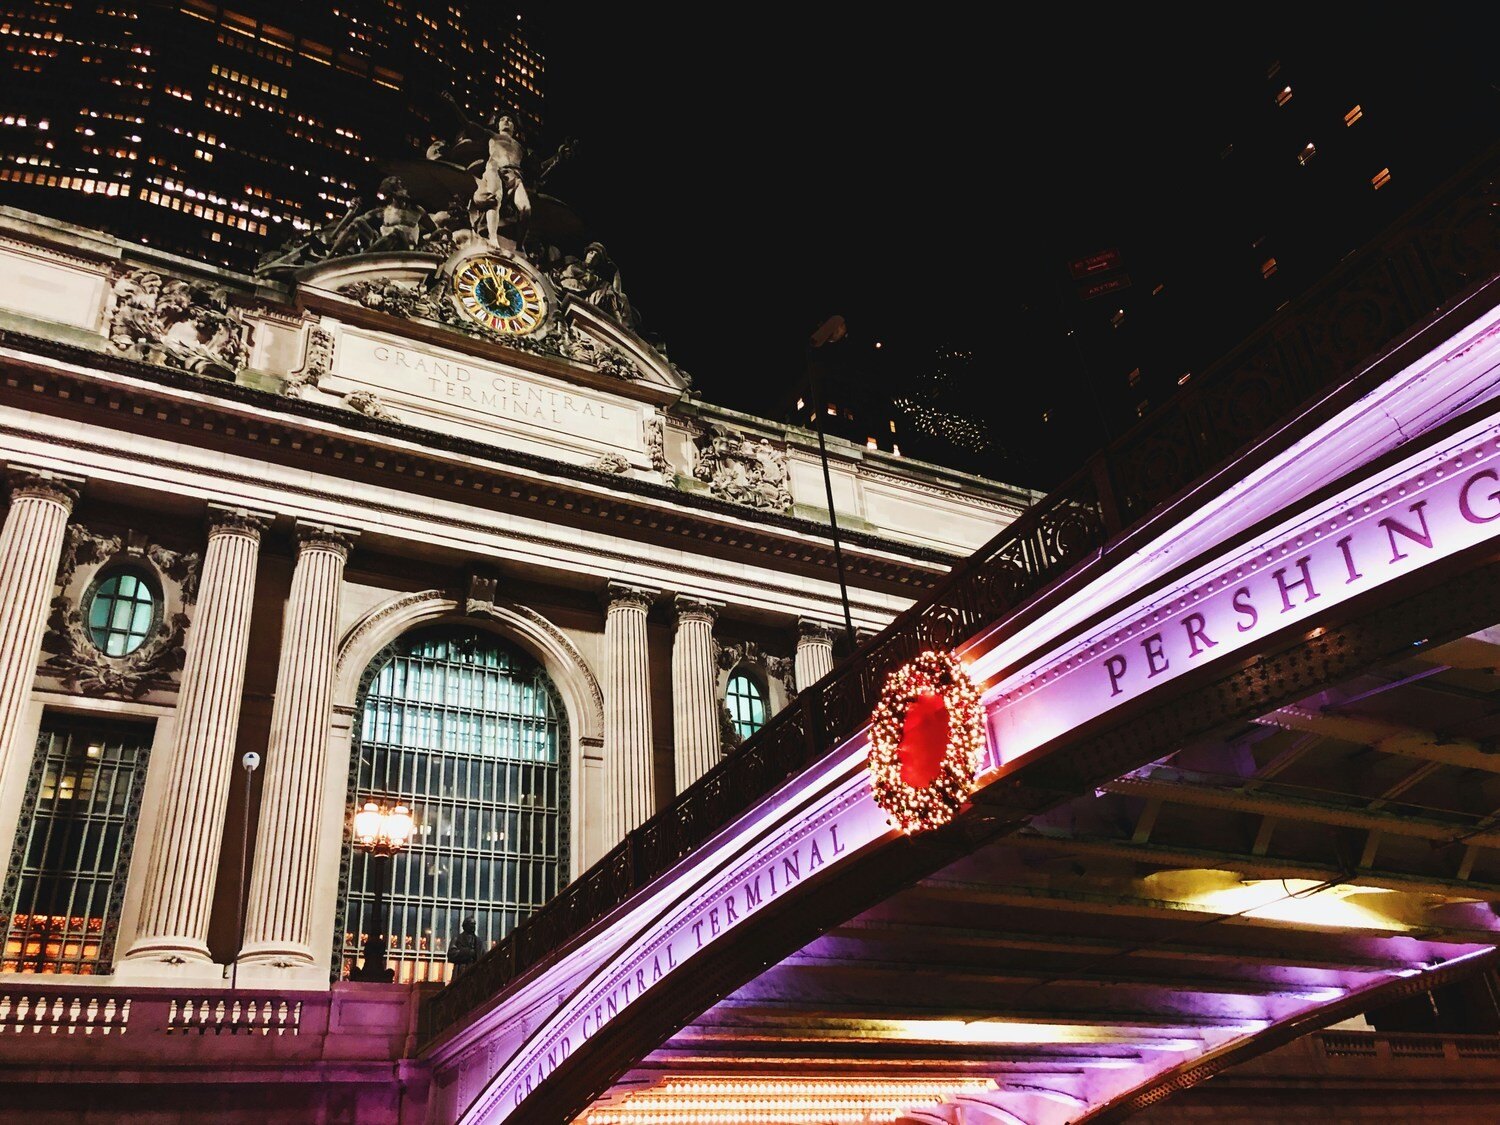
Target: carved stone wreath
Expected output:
[75,659]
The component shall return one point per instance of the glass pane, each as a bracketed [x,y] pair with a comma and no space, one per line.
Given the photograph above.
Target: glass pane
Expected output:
[73,847]
[460,727]
[122,612]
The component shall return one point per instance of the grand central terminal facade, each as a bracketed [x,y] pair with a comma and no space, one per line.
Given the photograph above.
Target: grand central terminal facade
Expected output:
[527,585]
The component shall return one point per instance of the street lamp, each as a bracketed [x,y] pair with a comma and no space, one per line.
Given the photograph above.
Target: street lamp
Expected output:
[380,834]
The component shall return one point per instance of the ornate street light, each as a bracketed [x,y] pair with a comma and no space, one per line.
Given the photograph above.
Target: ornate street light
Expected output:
[380,834]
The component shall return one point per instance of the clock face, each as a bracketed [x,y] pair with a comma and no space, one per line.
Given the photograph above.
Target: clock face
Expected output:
[499,296]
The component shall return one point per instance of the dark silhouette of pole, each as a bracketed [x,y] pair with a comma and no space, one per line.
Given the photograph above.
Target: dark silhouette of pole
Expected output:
[250,761]
[374,969]
[830,332]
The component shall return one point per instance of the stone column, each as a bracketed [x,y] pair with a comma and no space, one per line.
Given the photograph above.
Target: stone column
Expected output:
[814,658]
[695,695]
[31,545]
[627,710]
[278,920]
[173,927]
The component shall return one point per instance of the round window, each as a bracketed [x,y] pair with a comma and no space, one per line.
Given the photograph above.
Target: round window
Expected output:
[122,611]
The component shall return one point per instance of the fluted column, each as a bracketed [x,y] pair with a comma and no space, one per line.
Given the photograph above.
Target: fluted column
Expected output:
[695,696]
[278,926]
[814,658]
[173,926]
[31,545]
[627,710]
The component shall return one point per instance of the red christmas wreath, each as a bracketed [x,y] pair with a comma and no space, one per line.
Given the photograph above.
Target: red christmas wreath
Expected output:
[926,741]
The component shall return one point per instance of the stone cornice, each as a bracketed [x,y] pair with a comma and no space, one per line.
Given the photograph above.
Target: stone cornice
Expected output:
[342,439]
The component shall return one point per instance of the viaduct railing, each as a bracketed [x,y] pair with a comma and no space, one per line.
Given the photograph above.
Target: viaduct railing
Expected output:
[1448,244]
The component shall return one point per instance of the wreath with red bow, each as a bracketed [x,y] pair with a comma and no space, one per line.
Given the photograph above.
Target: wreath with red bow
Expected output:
[926,741]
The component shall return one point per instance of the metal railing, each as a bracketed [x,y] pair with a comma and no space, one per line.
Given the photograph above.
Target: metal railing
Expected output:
[1444,247]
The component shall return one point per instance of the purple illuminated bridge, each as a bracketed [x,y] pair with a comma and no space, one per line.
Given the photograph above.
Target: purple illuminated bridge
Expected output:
[1241,783]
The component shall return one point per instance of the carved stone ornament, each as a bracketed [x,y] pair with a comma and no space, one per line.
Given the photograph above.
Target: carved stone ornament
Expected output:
[319,362]
[780,668]
[656,447]
[813,632]
[161,319]
[742,470]
[236,521]
[619,594]
[369,404]
[396,223]
[316,537]
[610,463]
[687,607]
[43,486]
[74,658]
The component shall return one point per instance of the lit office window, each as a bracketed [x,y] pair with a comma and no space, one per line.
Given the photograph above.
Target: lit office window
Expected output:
[1380,179]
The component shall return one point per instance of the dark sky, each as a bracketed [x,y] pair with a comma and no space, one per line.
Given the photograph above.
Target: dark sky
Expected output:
[754,169]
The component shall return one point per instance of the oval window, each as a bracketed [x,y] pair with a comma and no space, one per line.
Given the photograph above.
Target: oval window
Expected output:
[122,611]
[747,704]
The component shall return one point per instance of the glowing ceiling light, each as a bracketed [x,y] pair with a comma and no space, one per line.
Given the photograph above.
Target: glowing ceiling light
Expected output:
[794,1101]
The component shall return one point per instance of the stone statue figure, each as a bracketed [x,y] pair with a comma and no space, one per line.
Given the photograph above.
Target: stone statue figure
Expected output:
[463,950]
[500,202]
[312,246]
[595,280]
[398,223]
[163,319]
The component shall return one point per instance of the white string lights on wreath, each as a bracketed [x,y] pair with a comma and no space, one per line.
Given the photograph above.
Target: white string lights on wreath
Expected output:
[921,785]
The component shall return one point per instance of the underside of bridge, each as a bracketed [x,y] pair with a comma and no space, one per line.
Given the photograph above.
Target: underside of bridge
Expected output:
[1312,860]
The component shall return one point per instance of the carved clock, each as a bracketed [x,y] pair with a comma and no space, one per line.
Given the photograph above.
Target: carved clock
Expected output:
[498,295]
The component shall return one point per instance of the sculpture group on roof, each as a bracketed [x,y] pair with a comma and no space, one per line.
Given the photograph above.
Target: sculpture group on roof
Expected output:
[484,178]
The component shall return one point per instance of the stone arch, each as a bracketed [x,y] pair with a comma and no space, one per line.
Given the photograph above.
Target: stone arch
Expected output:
[533,632]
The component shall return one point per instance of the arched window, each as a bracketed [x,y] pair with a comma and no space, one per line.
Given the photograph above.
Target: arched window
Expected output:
[122,611]
[470,734]
[746,700]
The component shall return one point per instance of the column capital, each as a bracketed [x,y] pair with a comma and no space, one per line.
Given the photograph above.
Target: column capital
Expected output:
[224,520]
[618,595]
[813,632]
[685,607]
[43,484]
[324,537]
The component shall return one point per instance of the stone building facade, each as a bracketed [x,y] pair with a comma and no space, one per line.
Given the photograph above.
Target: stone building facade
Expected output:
[514,574]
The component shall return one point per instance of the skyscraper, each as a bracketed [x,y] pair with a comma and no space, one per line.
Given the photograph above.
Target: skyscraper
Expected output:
[215,130]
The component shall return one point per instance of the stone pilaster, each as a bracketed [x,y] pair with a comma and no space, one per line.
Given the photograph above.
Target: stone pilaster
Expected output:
[814,658]
[31,543]
[173,926]
[627,710]
[695,695]
[278,924]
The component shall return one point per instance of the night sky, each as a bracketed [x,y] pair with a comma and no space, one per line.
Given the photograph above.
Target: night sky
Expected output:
[753,171]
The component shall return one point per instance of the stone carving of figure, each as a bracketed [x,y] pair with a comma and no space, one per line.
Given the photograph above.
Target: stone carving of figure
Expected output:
[500,201]
[744,471]
[312,246]
[398,223]
[463,950]
[168,320]
[595,279]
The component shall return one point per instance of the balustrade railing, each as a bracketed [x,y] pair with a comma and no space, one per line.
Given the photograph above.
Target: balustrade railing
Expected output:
[1447,245]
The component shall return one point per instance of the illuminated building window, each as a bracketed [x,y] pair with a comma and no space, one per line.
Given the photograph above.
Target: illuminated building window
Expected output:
[1134,377]
[122,611]
[1268,267]
[746,701]
[1380,179]
[1117,319]
[1308,151]
[470,734]
[1141,408]
[73,845]
[871,443]
[1353,115]
[1283,95]
[1183,378]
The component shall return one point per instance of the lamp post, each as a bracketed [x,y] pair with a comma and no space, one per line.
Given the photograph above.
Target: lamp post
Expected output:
[379,833]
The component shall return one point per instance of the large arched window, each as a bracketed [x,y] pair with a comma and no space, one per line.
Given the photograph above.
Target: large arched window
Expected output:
[746,701]
[470,734]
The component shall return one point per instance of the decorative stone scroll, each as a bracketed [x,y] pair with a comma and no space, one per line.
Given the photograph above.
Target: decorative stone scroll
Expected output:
[161,319]
[743,470]
[319,362]
[75,659]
